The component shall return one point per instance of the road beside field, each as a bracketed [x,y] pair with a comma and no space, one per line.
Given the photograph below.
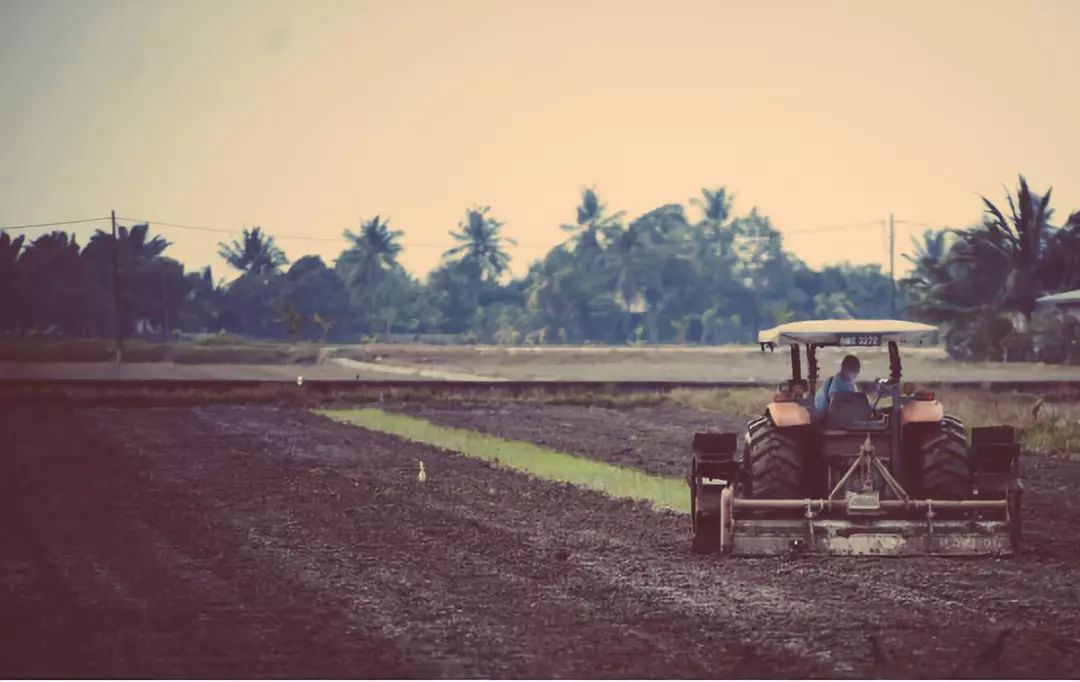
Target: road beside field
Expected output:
[156,371]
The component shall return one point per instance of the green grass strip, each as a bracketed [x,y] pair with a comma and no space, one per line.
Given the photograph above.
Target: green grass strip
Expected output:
[663,492]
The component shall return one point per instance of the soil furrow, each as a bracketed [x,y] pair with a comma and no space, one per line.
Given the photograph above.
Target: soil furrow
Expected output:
[241,541]
[920,597]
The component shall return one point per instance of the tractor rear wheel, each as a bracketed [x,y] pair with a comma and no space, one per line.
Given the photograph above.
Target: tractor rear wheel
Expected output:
[775,465]
[943,463]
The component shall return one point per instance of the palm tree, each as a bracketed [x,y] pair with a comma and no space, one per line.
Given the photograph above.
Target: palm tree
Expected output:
[51,274]
[760,266]
[481,245]
[931,274]
[592,225]
[631,258]
[254,253]
[9,250]
[141,277]
[374,281]
[983,286]
[930,252]
[201,310]
[554,296]
[12,293]
[715,204]
[136,247]
[1061,271]
[373,252]
[708,245]
[1021,239]
[640,260]
[711,234]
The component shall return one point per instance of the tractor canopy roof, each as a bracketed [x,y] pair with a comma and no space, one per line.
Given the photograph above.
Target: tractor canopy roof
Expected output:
[848,332]
[1063,298]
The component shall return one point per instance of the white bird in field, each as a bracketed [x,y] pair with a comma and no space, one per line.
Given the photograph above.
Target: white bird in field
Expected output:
[422,476]
[299,381]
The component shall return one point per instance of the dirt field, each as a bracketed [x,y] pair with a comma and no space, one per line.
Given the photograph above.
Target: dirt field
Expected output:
[261,541]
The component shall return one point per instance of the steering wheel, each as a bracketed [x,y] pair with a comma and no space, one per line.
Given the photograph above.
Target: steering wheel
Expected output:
[882,384]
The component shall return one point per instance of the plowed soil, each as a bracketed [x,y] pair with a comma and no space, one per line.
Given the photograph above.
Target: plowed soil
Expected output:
[244,541]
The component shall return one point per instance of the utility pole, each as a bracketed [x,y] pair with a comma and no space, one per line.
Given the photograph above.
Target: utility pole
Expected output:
[892,268]
[116,291]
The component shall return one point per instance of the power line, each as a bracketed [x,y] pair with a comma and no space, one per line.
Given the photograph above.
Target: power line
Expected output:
[220,230]
[829,228]
[55,224]
[429,245]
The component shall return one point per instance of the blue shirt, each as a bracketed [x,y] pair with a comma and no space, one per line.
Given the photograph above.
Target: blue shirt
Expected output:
[836,384]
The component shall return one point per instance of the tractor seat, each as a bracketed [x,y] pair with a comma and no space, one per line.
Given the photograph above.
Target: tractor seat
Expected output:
[849,410]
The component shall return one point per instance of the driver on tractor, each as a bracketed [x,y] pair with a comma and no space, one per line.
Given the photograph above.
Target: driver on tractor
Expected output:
[842,382]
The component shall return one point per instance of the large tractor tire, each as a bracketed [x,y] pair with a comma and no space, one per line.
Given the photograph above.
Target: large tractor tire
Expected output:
[774,464]
[944,471]
[955,425]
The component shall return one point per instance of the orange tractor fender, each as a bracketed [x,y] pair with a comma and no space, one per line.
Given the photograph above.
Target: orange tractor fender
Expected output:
[921,412]
[788,414]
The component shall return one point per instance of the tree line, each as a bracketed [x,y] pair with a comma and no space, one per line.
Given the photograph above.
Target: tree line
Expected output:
[981,284]
[662,277]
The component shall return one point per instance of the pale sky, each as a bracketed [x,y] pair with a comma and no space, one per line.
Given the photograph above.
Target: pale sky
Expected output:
[305,117]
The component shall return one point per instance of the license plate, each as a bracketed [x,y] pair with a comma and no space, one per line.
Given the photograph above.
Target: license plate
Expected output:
[714,481]
[860,340]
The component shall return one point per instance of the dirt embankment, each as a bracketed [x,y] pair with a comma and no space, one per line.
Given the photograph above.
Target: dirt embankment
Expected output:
[236,542]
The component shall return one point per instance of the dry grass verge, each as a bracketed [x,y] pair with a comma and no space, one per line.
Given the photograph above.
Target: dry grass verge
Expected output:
[225,349]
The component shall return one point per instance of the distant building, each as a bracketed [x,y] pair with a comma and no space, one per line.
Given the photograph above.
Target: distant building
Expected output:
[1064,342]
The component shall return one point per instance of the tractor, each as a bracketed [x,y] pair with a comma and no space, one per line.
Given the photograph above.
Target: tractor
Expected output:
[879,473]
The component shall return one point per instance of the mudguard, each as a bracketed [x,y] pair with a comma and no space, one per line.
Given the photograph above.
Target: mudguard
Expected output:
[784,415]
[921,412]
[713,469]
